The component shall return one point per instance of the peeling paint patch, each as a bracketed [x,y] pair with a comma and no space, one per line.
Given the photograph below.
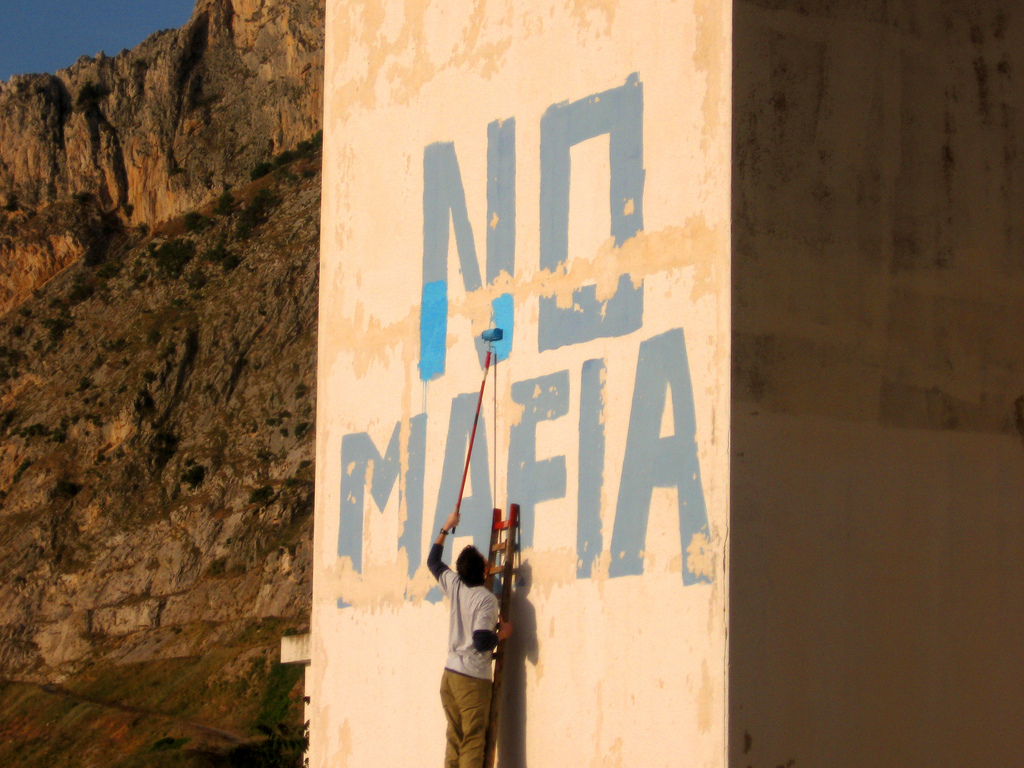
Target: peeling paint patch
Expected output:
[667,250]
[595,15]
[708,58]
[700,557]
[705,698]
[393,63]
[550,569]
[344,745]
[380,585]
[613,757]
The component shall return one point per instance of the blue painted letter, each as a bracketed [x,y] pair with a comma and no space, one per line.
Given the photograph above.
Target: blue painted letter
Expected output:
[357,452]
[410,540]
[531,481]
[664,462]
[444,204]
[619,113]
[591,468]
[476,508]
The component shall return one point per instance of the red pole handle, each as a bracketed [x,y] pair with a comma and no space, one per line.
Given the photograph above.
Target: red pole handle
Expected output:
[472,434]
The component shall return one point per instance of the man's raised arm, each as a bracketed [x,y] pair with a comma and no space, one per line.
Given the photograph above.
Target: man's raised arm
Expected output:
[434,562]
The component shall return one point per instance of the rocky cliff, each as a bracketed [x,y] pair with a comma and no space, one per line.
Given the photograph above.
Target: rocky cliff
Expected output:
[157,410]
[157,391]
[162,129]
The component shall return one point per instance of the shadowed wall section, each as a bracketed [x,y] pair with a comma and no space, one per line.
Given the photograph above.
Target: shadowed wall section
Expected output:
[878,371]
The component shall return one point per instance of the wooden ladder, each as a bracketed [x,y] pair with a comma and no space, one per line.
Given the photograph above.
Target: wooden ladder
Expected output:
[500,561]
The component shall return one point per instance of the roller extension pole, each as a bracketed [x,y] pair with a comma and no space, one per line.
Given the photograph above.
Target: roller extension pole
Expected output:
[489,336]
[472,434]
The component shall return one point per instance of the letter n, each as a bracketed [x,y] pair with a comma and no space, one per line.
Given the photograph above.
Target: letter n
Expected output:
[444,209]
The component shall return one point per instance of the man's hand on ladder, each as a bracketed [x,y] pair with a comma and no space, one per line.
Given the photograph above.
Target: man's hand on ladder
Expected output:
[504,628]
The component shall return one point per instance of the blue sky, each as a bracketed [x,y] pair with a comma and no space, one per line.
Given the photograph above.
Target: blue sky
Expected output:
[47,35]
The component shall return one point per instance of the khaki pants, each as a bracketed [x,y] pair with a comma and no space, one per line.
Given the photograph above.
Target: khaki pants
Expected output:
[467,705]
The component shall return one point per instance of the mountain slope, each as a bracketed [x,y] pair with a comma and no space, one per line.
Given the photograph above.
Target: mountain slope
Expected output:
[160,129]
[156,446]
[151,133]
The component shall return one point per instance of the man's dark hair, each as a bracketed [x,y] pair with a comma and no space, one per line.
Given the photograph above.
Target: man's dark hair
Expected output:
[471,567]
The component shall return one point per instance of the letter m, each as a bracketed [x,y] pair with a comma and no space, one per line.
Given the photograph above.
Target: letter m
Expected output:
[359,456]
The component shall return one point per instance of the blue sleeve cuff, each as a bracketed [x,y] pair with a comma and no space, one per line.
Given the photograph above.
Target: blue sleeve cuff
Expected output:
[484,640]
[434,563]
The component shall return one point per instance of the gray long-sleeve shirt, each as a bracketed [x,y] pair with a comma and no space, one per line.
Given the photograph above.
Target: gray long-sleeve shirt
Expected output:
[472,619]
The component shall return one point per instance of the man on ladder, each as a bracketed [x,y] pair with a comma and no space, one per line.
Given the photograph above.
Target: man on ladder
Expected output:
[474,629]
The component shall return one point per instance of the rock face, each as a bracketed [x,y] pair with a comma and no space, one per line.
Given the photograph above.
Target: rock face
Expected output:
[156,437]
[157,387]
[151,133]
[159,130]
[34,248]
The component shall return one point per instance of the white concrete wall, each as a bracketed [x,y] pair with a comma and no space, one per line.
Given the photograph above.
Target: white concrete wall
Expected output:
[611,423]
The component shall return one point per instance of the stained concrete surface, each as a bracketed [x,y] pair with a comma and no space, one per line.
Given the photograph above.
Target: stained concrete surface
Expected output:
[877,550]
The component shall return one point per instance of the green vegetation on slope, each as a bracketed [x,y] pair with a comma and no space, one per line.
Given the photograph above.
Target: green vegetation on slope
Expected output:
[156,447]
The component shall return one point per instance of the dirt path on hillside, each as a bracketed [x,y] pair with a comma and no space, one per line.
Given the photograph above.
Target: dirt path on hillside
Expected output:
[56,690]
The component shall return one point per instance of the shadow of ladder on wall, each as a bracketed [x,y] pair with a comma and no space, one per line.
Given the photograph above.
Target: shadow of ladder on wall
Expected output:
[500,562]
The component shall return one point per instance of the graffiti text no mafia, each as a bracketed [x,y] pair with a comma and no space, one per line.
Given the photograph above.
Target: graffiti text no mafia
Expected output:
[662,370]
